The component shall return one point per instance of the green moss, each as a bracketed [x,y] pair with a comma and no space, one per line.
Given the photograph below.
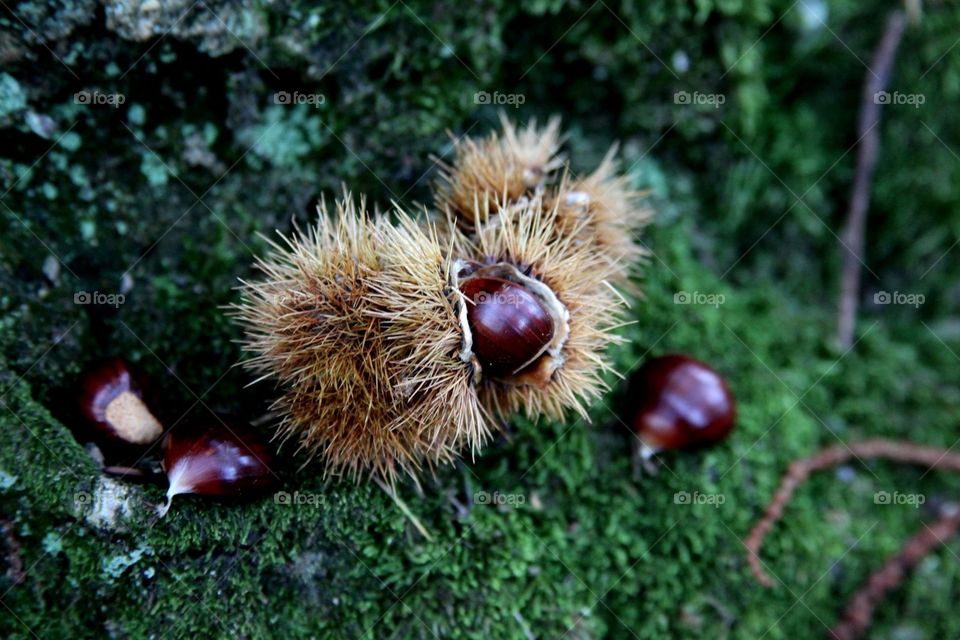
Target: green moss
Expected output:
[548,531]
[584,531]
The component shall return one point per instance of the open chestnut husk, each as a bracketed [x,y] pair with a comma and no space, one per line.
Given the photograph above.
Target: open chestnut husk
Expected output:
[677,402]
[222,458]
[112,403]
[511,327]
[515,324]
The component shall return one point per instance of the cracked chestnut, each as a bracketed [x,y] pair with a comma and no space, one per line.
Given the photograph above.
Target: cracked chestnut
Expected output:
[680,403]
[224,458]
[112,403]
[511,328]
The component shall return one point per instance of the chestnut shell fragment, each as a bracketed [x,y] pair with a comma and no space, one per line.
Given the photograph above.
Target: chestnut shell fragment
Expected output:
[112,403]
[225,458]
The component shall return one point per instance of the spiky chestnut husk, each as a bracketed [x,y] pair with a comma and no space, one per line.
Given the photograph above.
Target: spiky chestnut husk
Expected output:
[602,209]
[366,327]
[358,321]
[380,321]
[506,171]
[500,170]
[572,279]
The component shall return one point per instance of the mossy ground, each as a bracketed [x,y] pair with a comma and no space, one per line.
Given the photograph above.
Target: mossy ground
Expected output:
[135,200]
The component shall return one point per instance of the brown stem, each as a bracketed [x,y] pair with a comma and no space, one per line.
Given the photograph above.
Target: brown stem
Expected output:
[118,470]
[858,615]
[799,470]
[14,561]
[877,80]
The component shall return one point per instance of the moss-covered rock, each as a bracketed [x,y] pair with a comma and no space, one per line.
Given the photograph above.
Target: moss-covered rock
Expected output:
[144,154]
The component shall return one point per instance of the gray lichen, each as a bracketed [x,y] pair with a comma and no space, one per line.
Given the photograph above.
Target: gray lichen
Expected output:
[216,27]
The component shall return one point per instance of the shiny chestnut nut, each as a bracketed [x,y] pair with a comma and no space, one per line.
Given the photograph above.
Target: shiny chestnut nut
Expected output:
[225,458]
[679,403]
[511,328]
[112,403]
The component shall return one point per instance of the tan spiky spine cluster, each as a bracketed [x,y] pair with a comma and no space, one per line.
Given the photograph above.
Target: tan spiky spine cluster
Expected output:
[498,169]
[509,170]
[353,318]
[362,323]
[606,207]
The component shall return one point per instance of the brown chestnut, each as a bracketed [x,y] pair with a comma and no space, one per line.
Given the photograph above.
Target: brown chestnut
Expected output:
[679,403]
[225,458]
[112,402]
[510,326]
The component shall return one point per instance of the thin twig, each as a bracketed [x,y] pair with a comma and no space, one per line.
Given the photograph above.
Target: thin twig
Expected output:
[800,470]
[858,615]
[877,81]
[122,471]
[14,561]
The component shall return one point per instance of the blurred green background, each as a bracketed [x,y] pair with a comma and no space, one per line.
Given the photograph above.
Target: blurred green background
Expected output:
[739,116]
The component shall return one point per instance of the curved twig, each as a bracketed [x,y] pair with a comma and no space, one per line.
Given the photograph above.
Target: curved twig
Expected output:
[859,612]
[799,470]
